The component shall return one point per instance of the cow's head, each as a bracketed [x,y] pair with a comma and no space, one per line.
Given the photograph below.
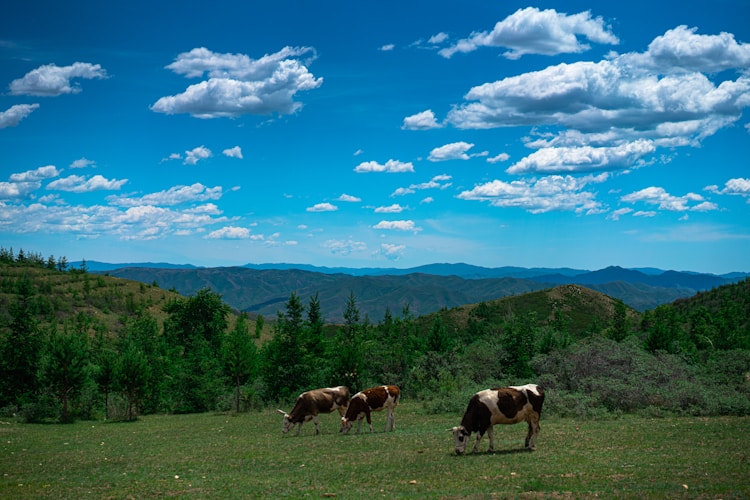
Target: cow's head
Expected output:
[286,424]
[462,438]
[346,425]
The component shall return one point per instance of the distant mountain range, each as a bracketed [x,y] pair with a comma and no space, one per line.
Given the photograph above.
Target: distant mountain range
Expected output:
[265,288]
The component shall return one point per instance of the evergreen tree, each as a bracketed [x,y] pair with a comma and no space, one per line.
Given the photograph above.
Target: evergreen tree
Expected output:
[20,347]
[283,370]
[620,323]
[518,340]
[347,352]
[65,367]
[132,375]
[239,355]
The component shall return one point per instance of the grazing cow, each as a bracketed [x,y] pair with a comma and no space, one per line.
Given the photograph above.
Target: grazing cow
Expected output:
[373,399]
[505,405]
[309,404]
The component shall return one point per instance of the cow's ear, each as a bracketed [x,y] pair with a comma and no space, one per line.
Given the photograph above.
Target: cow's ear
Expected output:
[281,411]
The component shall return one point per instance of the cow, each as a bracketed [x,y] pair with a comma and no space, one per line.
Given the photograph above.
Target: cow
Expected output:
[309,404]
[504,405]
[369,400]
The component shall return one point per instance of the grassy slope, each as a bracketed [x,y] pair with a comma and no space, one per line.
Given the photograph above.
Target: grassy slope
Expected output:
[200,456]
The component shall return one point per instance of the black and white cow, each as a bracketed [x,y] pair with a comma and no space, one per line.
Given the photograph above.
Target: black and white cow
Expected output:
[369,400]
[309,404]
[504,405]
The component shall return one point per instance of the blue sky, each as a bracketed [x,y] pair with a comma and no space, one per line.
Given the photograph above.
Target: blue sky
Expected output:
[378,134]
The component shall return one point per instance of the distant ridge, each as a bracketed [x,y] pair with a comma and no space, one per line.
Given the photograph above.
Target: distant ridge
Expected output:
[96,266]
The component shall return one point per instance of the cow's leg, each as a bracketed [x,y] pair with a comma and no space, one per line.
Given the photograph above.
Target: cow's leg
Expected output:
[534,429]
[476,443]
[369,419]
[299,426]
[492,438]
[390,421]
[317,427]
[359,422]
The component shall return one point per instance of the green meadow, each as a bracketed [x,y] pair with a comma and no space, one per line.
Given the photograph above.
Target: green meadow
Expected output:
[246,455]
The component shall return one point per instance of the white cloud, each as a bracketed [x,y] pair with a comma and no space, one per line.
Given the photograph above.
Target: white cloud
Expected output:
[349,198]
[82,163]
[13,115]
[552,193]
[453,151]
[322,207]
[235,152]
[387,48]
[239,85]
[52,80]
[583,159]
[499,158]
[392,209]
[737,187]
[615,215]
[438,39]
[391,166]
[534,31]
[82,184]
[620,108]
[344,247]
[665,201]
[176,195]
[391,251]
[421,121]
[401,225]
[681,49]
[193,156]
[229,233]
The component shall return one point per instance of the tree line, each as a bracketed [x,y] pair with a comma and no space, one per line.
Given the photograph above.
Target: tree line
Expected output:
[203,357]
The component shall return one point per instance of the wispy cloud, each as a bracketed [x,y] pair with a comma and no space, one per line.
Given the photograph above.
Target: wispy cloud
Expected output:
[391,166]
[13,115]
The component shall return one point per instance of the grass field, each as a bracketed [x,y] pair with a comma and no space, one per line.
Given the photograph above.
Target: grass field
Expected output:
[246,455]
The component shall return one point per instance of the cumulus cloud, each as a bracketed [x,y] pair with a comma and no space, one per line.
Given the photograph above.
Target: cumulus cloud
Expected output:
[551,193]
[229,233]
[52,80]
[13,115]
[82,163]
[737,187]
[238,85]
[235,152]
[387,47]
[583,159]
[23,184]
[665,201]
[391,166]
[83,184]
[176,195]
[391,209]
[193,156]
[322,207]
[534,31]
[453,151]
[349,198]
[400,225]
[421,121]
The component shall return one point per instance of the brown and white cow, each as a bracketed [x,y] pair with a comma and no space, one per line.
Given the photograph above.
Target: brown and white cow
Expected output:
[369,400]
[309,404]
[504,405]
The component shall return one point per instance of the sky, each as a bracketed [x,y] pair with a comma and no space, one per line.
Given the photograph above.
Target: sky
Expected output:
[496,133]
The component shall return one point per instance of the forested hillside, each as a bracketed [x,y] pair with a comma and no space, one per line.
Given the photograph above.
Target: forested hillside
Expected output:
[78,345]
